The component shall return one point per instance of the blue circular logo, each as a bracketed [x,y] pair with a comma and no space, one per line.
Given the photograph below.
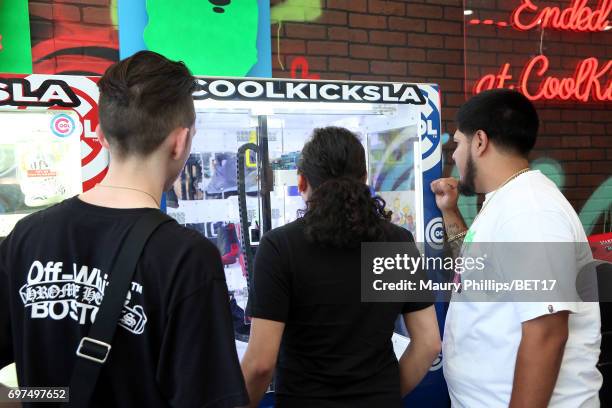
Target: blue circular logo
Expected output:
[62,125]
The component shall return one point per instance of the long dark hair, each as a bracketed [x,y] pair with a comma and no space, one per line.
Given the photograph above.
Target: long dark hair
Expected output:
[341,211]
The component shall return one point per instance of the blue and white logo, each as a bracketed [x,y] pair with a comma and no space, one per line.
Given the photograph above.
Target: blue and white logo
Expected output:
[434,233]
[62,125]
[429,128]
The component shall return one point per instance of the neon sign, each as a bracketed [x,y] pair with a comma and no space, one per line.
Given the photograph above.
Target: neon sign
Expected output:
[576,17]
[585,85]
[591,79]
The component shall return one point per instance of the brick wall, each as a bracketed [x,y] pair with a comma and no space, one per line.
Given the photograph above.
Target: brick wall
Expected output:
[72,36]
[423,41]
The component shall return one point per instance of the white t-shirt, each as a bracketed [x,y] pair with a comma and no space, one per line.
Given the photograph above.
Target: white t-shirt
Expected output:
[481,339]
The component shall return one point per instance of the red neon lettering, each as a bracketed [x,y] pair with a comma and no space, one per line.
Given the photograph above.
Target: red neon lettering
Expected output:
[582,86]
[485,83]
[588,83]
[577,17]
[527,74]
[493,81]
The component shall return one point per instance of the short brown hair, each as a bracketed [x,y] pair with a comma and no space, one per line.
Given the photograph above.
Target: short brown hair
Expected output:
[142,99]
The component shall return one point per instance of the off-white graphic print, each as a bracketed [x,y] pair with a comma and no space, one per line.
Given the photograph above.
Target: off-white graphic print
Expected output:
[53,292]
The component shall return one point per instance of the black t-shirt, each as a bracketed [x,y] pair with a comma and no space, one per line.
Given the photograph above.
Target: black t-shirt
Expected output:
[336,351]
[175,344]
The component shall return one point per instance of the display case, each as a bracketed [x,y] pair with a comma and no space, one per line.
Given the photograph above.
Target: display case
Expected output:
[39,162]
[240,179]
[48,150]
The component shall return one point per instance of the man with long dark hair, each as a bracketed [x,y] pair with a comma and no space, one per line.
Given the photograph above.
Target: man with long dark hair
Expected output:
[336,351]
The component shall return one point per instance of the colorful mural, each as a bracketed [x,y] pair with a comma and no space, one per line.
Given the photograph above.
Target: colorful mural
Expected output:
[218,30]
[81,37]
[210,37]
[14,37]
[73,38]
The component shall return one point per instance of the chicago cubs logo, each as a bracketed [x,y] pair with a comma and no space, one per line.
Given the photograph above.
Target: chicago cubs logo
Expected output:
[62,125]
[434,233]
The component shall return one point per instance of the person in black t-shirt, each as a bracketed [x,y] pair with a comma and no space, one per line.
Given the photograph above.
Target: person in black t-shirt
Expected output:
[328,348]
[174,345]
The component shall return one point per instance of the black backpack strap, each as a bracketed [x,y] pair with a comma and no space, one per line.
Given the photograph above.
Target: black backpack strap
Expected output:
[94,349]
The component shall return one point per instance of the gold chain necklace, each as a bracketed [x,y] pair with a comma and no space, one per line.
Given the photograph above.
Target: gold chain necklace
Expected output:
[509,179]
[133,189]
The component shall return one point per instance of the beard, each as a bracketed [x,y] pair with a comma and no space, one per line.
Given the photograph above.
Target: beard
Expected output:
[467,186]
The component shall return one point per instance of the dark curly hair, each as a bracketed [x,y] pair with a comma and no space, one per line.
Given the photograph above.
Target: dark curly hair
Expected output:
[341,211]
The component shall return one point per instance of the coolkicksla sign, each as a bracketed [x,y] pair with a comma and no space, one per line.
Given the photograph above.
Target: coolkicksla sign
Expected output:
[19,92]
[300,91]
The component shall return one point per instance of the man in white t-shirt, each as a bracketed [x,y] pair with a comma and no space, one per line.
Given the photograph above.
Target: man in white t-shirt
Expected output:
[515,353]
